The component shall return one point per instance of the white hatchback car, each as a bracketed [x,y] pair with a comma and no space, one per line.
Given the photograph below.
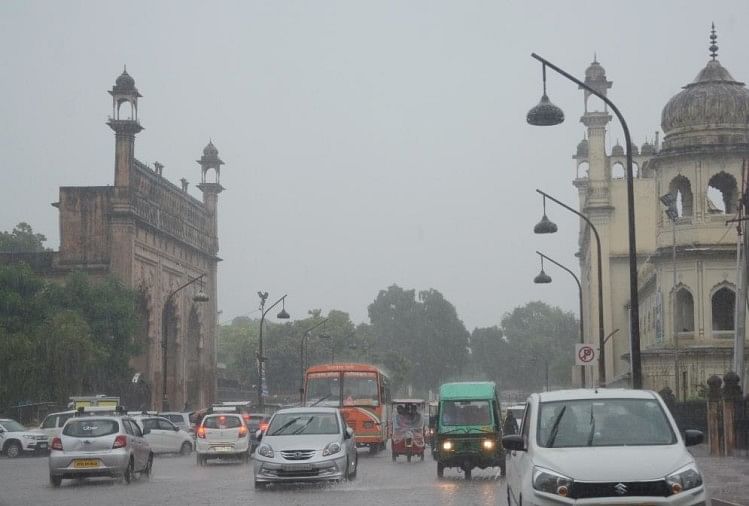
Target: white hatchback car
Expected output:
[164,436]
[591,445]
[221,436]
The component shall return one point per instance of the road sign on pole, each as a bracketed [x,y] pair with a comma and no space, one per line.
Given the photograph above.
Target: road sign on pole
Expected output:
[586,354]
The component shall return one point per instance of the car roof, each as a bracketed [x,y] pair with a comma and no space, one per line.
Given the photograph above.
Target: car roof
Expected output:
[231,413]
[468,390]
[595,393]
[308,409]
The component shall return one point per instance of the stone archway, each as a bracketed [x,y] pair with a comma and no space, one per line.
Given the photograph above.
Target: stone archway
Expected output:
[193,373]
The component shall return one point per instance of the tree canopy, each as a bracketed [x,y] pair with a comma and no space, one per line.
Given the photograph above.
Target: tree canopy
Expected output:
[21,239]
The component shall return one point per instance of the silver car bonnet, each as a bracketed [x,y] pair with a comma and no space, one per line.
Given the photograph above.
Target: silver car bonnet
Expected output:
[301,442]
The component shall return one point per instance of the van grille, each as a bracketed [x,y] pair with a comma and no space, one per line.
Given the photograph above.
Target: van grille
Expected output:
[297,454]
[583,490]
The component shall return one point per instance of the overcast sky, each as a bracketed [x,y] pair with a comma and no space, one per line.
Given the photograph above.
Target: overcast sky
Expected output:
[366,143]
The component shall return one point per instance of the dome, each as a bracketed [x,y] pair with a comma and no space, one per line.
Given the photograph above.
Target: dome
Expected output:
[617,150]
[647,149]
[125,80]
[210,150]
[634,149]
[712,109]
[595,72]
[582,149]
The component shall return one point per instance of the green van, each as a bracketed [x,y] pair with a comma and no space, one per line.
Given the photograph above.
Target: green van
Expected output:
[468,428]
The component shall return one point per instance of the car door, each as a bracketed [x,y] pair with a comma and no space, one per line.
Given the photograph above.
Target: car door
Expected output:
[141,448]
[171,439]
[518,461]
[49,426]
[154,437]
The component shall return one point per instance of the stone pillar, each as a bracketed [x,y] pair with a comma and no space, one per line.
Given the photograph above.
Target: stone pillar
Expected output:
[713,414]
[731,396]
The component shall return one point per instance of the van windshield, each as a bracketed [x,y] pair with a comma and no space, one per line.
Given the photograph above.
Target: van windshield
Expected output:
[466,413]
[603,422]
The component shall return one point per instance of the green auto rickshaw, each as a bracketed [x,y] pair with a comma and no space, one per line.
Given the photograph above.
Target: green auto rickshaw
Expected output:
[468,428]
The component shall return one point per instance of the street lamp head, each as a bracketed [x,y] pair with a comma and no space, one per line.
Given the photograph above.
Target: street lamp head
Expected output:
[201,296]
[542,278]
[323,336]
[545,113]
[283,315]
[545,226]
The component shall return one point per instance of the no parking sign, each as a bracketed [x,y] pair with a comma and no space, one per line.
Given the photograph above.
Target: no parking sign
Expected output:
[586,354]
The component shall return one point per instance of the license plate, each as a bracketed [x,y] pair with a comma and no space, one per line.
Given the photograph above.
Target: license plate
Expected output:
[42,446]
[222,448]
[78,464]
[299,467]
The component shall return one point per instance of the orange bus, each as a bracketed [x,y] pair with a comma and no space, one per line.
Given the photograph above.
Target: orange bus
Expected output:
[361,391]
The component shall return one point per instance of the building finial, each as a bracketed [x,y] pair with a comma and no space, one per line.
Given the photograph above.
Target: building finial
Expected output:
[595,57]
[713,43]
[124,68]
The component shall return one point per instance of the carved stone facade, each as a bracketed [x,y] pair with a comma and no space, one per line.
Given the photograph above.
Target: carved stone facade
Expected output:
[155,237]
[687,306]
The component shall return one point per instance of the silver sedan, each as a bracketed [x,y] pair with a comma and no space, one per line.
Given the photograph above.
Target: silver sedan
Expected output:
[305,444]
[99,446]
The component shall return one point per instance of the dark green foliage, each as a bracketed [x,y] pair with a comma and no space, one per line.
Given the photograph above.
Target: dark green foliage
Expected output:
[21,240]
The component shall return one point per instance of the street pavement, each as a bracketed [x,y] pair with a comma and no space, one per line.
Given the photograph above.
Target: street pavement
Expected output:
[727,478]
[179,481]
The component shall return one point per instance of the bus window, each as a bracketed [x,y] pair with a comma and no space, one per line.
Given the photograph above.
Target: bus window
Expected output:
[360,389]
[324,389]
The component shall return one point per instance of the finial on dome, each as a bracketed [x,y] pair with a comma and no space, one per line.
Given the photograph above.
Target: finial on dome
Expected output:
[595,57]
[713,43]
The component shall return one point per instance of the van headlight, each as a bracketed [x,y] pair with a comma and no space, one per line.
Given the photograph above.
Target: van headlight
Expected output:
[488,444]
[550,482]
[686,478]
[265,451]
[331,449]
[447,445]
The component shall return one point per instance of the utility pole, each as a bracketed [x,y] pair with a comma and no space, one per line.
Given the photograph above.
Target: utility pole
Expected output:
[669,200]
[742,243]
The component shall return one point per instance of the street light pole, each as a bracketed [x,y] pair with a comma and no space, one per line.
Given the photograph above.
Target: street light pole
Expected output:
[546,113]
[305,336]
[601,335]
[283,315]
[580,296]
[669,200]
[201,296]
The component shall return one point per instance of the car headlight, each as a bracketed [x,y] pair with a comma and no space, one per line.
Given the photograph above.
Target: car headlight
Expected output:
[488,444]
[266,451]
[550,482]
[447,445]
[27,436]
[331,449]
[686,478]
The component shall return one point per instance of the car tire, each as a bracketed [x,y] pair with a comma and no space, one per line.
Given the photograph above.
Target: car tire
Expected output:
[352,476]
[186,448]
[374,449]
[128,474]
[408,458]
[440,470]
[148,470]
[13,450]
[55,481]
[259,485]
[245,458]
[509,503]
[394,456]
[200,460]
[468,474]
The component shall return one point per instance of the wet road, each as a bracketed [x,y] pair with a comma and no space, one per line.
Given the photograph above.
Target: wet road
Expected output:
[179,481]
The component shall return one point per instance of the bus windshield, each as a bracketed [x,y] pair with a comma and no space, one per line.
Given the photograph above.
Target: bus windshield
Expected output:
[360,389]
[324,389]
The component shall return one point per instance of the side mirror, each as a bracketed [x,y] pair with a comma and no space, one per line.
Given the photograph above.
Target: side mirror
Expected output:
[146,431]
[258,434]
[176,429]
[2,431]
[348,433]
[693,437]
[513,442]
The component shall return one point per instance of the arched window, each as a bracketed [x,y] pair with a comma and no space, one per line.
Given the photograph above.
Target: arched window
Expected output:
[721,194]
[684,311]
[582,169]
[684,199]
[723,304]
[618,172]
[125,110]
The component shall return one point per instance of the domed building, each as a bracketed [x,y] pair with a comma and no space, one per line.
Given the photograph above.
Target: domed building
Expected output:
[687,306]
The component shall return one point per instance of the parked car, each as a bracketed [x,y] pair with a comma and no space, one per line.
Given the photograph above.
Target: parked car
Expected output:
[305,444]
[100,446]
[15,439]
[256,422]
[181,420]
[601,445]
[222,436]
[164,436]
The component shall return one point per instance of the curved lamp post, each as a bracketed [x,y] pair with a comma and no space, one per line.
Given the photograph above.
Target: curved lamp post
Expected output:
[305,337]
[544,278]
[547,114]
[546,226]
[282,315]
[201,296]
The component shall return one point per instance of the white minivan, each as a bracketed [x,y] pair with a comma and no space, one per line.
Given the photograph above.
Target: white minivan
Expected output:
[591,445]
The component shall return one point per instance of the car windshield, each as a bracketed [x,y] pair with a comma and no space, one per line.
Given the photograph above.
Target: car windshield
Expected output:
[603,422]
[13,426]
[303,424]
[222,422]
[360,389]
[466,413]
[324,389]
[91,428]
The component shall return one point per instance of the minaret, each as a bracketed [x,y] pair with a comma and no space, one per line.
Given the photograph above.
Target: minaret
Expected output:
[596,121]
[124,96]
[210,186]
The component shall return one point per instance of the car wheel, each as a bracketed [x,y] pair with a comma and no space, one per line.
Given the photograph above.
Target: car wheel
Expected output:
[440,470]
[503,470]
[13,450]
[374,449]
[508,497]
[408,458]
[245,458]
[185,449]
[128,474]
[259,485]
[352,476]
[394,456]
[468,474]
[149,466]
[55,481]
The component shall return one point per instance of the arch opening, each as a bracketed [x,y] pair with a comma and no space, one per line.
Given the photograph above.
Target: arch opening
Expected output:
[722,194]
[723,305]
[684,311]
[684,198]
[125,109]
[618,171]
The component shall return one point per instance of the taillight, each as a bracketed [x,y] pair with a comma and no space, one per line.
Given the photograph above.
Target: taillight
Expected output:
[120,442]
[56,444]
[242,431]
[201,432]
[246,417]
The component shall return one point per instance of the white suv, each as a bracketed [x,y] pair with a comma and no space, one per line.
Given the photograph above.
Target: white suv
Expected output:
[15,439]
[591,445]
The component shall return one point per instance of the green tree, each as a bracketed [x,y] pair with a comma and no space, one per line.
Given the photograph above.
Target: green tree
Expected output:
[21,239]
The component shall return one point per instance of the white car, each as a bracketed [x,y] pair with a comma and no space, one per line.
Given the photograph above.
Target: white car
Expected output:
[164,436]
[221,436]
[53,422]
[595,446]
[15,440]
[305,444]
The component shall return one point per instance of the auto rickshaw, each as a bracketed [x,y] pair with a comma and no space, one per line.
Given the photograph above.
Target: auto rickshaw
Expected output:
[469,428]
[408,428]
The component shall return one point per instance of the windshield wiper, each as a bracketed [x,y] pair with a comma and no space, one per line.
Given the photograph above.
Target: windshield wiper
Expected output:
[300,429]
[282,427]
[592,427]
[555,428]
[318,401]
